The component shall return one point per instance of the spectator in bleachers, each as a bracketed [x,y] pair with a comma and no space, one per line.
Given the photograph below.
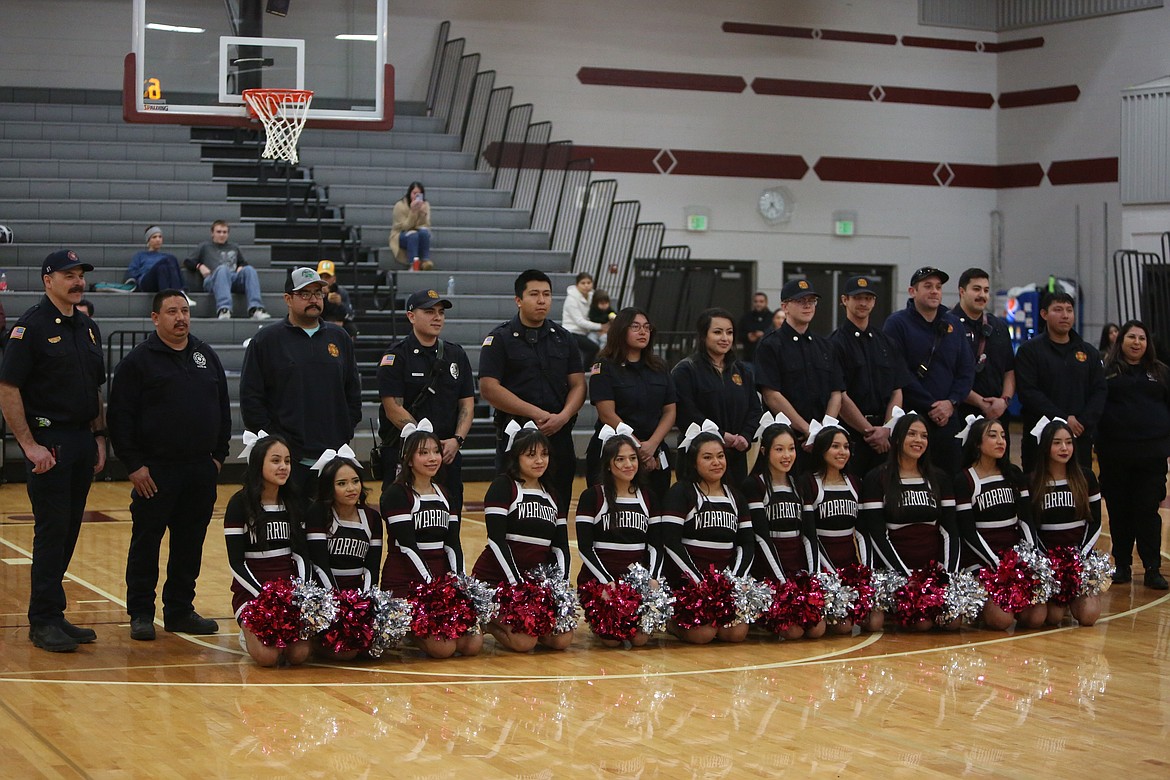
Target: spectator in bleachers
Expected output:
[410,235]
[224,271]
[152,269]
[86,307]
[575,317]
[600,313]
[753,325]
[337,308]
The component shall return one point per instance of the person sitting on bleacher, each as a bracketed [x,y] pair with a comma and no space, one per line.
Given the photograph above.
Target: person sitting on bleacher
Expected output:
[152,269]
[224,271]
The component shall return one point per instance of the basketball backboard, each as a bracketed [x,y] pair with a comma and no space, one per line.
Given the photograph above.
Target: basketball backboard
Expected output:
[191,60]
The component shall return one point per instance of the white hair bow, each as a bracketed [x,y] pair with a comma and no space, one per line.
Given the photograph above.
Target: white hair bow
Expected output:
[423,425]
[250,440]
[971,420]
[1042,423]
[514,428]
[328,455]
[768,419]
[895,413]
[694,429]
[607,432]
[816,426]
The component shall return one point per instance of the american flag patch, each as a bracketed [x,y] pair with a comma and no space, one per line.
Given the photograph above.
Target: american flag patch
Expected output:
[17,332]
[595,370]
[487,342]
[387,360]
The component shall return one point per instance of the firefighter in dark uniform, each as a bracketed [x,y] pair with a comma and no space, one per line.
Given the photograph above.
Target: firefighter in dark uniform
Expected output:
[796,370]
[170,423]
[530,369]
[874,376]
[50,391]
[424,376]
[300,380]
[991,344]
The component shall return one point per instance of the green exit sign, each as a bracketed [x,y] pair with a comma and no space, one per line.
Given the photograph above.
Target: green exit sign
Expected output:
[697,223]
[843,227]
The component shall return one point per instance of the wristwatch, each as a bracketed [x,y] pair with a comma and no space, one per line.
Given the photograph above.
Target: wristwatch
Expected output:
[459,440]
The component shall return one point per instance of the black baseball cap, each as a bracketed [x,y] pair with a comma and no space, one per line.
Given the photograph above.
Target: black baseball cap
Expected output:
[795,289]
[63,260]
[426,299]
[859,285]
[927,271]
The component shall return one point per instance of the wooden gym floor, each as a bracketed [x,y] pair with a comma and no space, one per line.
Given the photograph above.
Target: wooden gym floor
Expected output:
[1067,702]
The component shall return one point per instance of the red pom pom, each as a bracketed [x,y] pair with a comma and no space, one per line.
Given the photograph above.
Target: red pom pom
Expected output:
[353,628]
[611,609]
[799,602]
[1068,569]
[861,578]
[272,616]
[709,601]
[921,598]
[441,610]
[526,608]
[1012,585]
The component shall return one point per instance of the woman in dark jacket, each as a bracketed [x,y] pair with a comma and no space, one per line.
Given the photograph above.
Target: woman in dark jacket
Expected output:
[1133,441]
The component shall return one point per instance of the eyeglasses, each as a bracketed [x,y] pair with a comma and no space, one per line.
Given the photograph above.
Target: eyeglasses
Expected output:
[306,295]
[641,327]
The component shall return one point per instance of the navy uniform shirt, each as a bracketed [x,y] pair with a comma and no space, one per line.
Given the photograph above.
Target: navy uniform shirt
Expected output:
[941,347]
[56,361]
[752,322]
[727,399]
[405,371]
[802,367]
[991,347]
[872,365]
[532,363]
[303,387]
[637,392]
[1059,380]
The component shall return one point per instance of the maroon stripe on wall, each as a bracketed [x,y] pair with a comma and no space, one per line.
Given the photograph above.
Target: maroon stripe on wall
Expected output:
[950,44]
[810,33]
[1101,170]
[1039,97]
[693,162]
[656,79]
[928,174]
[870,92]
[1023,43]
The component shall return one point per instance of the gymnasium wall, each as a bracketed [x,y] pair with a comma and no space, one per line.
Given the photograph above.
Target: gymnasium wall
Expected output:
[937,121]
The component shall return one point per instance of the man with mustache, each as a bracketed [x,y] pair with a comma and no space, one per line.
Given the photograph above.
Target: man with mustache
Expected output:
[300,379]
[991,344]
[171,383]
[51,393]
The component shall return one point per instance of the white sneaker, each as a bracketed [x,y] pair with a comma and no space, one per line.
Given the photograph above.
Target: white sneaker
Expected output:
[191,304]
[259,314]
[224,314]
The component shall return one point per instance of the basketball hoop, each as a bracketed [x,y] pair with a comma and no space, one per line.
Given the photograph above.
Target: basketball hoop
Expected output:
[283,112]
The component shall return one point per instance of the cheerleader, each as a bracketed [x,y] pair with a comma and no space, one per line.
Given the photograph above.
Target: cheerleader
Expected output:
[991,508]
[907,509]
[525,529]
[342,530]
[785,537]
[705,523]
[1066,504]
[264,540]
[617,519]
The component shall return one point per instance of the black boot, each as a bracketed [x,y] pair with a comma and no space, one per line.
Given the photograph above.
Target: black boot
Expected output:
[1122,575]
[1155,581]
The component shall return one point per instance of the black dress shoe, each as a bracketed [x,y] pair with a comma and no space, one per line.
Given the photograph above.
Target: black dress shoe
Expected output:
[82,636]
[1155,581]
[191,623]
[1122,575]
[52,638]
[142,629]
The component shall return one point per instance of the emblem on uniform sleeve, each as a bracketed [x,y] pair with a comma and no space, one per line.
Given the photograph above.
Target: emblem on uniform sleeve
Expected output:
[487,342]
[54,339]
[454,371]
[595,370]
[200,359]
[333,350]
[17,332]
[737,379]
[1081,356]
[92,337]
[387,360]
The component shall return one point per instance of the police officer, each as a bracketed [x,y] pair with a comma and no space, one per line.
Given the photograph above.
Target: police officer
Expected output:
[796,370]
[991,345]
[425,376]
[300,379]
[933,344]
[50,392]
[530,369]
[170,421]
[874,375]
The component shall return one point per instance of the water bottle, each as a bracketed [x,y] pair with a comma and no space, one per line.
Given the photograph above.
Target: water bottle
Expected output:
[3,282]
[450,285]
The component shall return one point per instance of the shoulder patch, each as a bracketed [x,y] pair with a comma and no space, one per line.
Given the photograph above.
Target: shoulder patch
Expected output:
[387,360]
[595,370]
[17,332]
[487,342]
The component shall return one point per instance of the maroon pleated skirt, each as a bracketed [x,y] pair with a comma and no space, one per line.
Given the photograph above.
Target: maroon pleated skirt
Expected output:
[616,562]
[399,574]
[263,569]
[703,558]
[527,556]
[1065,537]
[840,550]
[918,545]
[1000,540]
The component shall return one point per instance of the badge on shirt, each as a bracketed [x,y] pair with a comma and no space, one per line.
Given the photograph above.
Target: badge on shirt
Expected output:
[487,342]
[595,370]
[17,332]
[736,378]
[199,359]
[454,371]
[950,328]
[387,360]
[1081,356]
[54,339]
[333,350]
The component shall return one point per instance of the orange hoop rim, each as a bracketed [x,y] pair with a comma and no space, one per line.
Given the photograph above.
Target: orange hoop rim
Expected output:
[275,97]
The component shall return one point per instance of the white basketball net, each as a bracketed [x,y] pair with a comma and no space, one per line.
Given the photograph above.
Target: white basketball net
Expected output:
[283,112]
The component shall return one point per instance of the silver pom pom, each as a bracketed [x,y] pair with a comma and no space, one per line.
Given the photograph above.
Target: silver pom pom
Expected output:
[1041,565]
[563,594]
[752,597]
[392,618]
[963,598]
[1098,573]
[482,597]
[885,582]
[657,601]
[317,604]
[839,597]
